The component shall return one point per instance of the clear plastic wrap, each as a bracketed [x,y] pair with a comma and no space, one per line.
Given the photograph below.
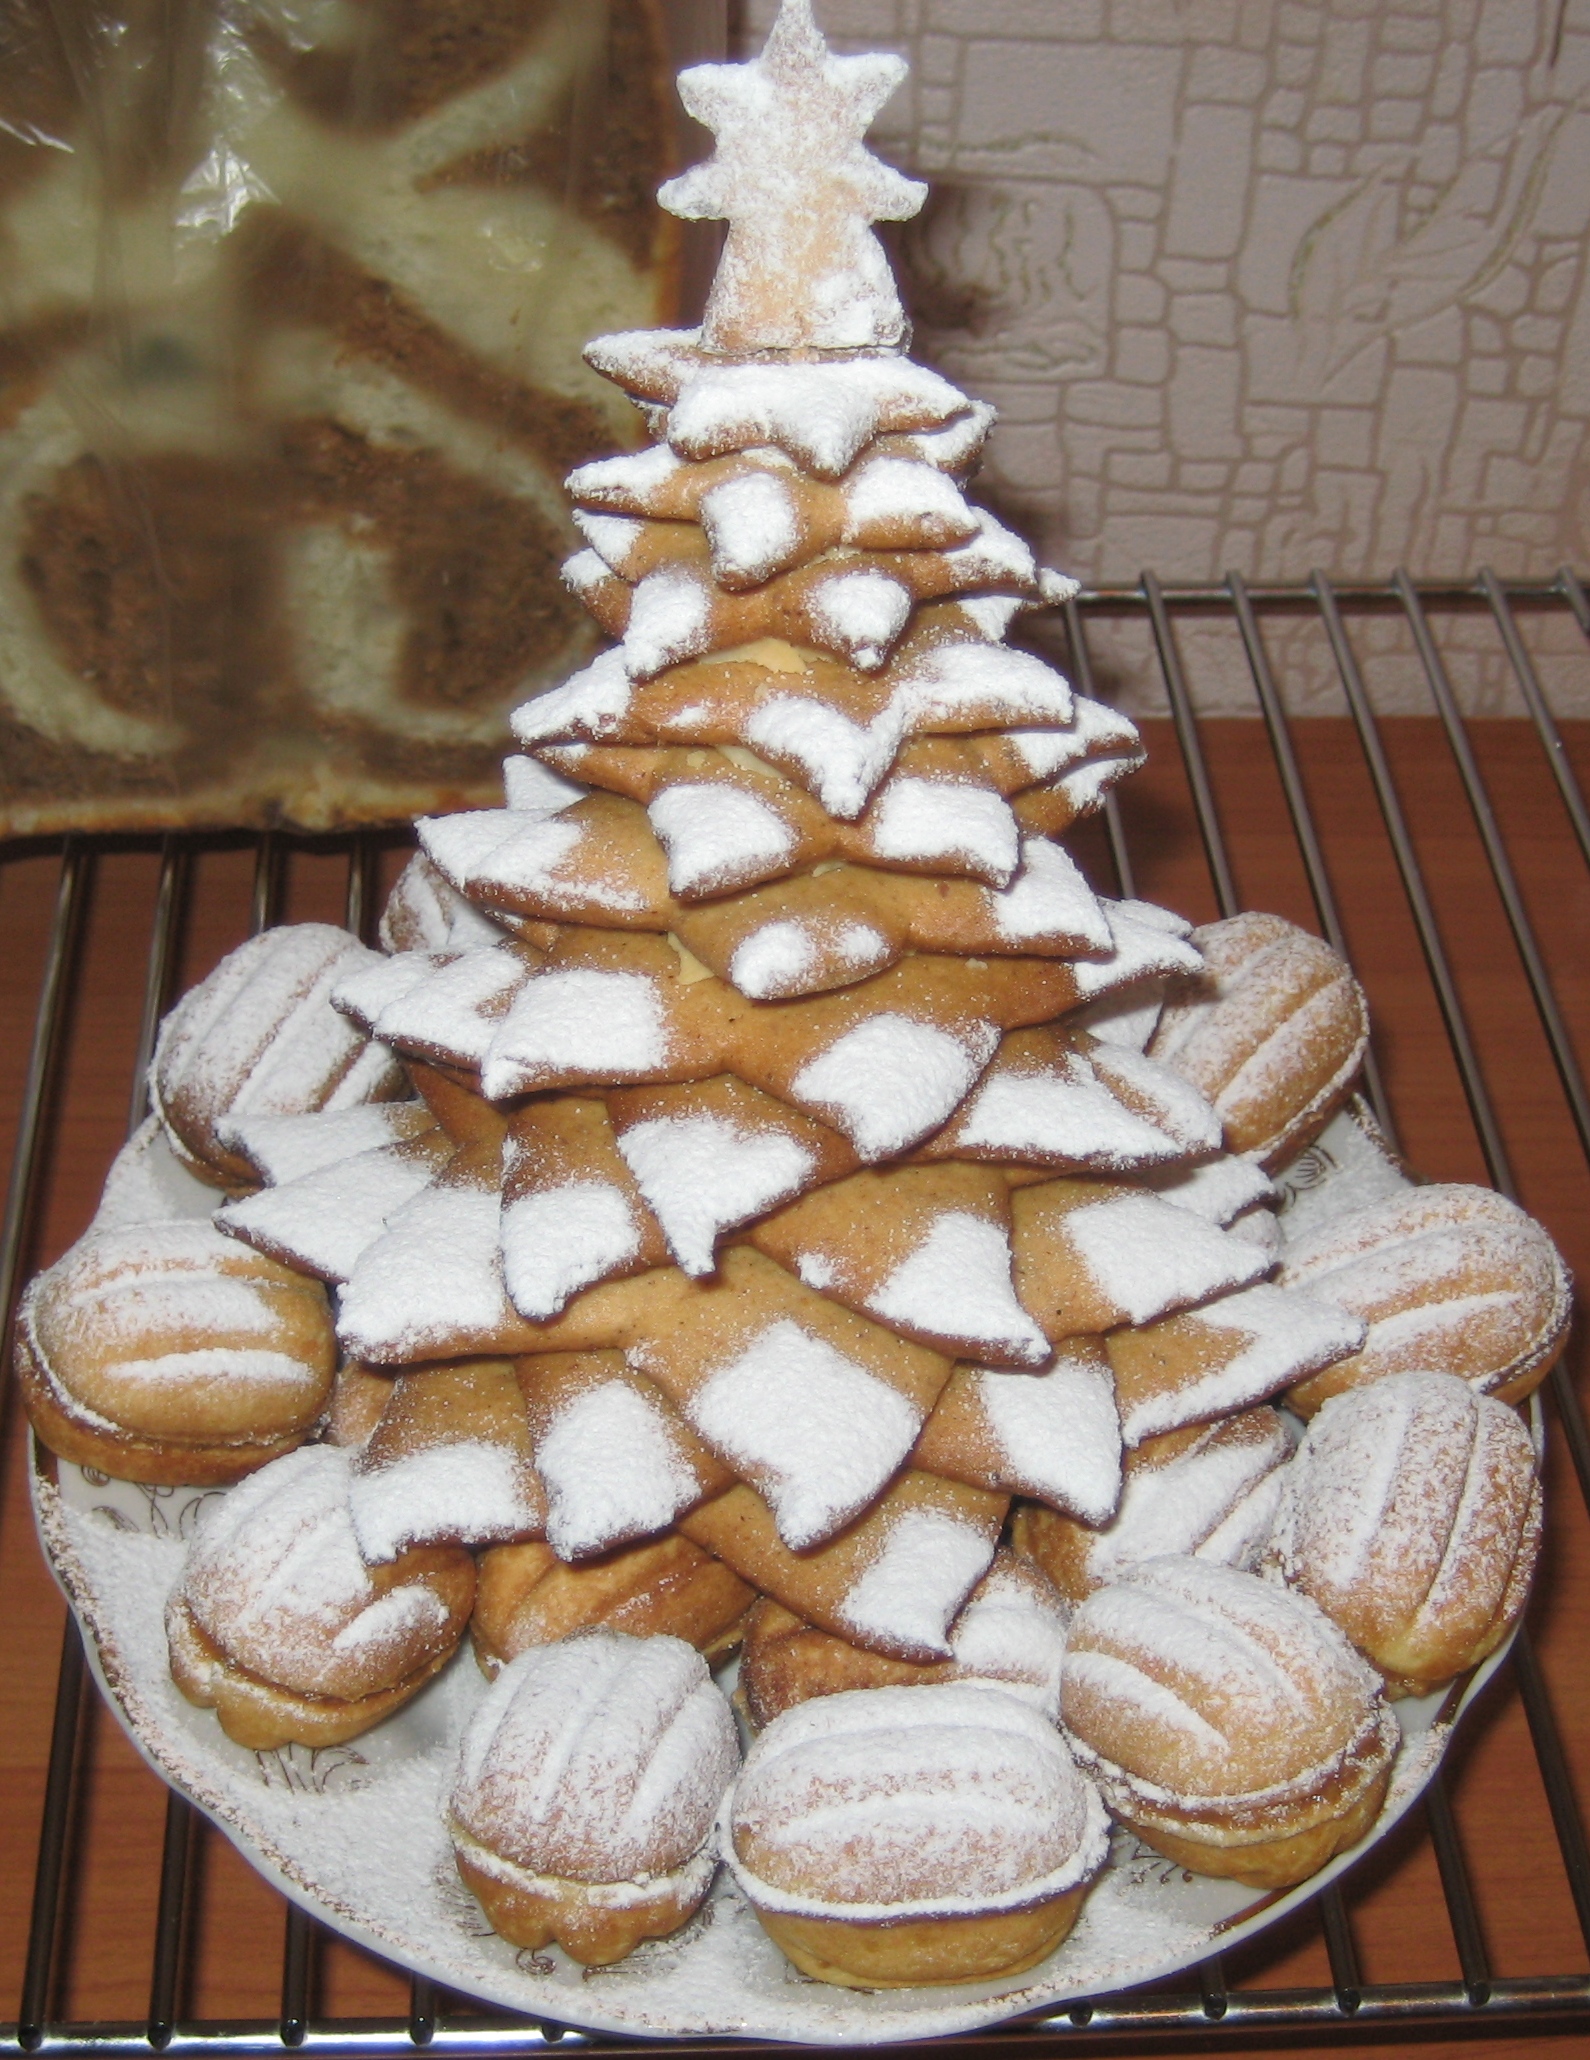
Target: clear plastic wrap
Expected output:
[292,294]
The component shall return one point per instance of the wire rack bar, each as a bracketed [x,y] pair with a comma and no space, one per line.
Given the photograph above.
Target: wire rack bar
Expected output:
[1480,1999]
[1192,750]
[1280,732]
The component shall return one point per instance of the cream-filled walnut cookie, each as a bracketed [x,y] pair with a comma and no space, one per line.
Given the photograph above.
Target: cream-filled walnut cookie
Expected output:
[1227,1720]
[259,1037]
[1412,1516]
[164,1352]
[587,1787]
[1273,1031]
[1447,1279]
[279,1626]
[889,1837]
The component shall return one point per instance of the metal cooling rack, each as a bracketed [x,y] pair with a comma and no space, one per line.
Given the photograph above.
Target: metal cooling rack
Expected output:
[1212,2014]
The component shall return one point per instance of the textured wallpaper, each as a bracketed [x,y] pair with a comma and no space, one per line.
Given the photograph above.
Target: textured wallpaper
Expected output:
[1263,285]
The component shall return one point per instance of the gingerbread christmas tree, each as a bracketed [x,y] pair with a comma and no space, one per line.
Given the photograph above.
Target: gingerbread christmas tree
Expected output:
[770,1185]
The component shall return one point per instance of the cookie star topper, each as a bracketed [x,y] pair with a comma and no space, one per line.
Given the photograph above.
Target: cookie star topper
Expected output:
[801,269]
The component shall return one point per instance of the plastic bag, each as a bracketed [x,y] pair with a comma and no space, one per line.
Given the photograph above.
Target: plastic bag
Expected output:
[292,294]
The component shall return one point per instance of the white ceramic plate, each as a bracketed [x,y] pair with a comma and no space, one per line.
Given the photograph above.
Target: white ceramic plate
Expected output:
[354,1832]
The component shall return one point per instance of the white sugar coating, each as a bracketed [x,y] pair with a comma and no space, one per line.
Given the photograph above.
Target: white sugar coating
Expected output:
[1242,1538]
[717,837]
[532,863]
[957,1284]
[584,572]
[893,490]
[950,678]
[956,445]
[1261,1665]
[1181,1507]
[1440,1330]
[1141,949]
[823,414]
[1048,897]
[995,553]
[611,537]
[890,1080]
[598,1758]
[667,621]
[863,613]
[531,788]
[751,526]
[588,704]
[1094,727]
[1117,1680]
[816,1270]
[579,1021]
[470,1492]
[612,1470]
[959,1801]
[1280,1334]
[426,912]
[701,1175]
[261,1035]
[920,820]
[148,1183]
[842,759]
[456,1010]
[924,1569]
[777,959]
[817,1434]
[323,1220]
[1124,1021]
[218,1366]
[1174,1104]
[284,1148]
[457,844]
[563,1239]
[1068,1117]
[275,1577]
[1059,1433]
[1377,1478]
[991,614]
[1218,1189]
[1013,1631]
[794,957]
[364,994]
[1147,1257]
[1154,917]
[626,481]
[433,1277]
[1086,786]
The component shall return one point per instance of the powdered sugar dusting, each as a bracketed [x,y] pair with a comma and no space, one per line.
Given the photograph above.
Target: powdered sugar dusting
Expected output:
[701,1175]
[925,1568]
[562,1239]
[891,1080]
[957,1284]
[817,1434]
[611,1469]
[717,837]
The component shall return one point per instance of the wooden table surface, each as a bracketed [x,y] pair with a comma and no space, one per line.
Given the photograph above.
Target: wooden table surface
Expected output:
[233,1966]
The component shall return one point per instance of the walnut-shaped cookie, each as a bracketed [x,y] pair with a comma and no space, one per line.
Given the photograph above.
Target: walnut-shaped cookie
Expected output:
[1412,1515]
[587,1787]
[165,1352]
[1273,1031]
[895,1837]
[259,1037]
[1447,1279]
[278,1625]
[1227,1720]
